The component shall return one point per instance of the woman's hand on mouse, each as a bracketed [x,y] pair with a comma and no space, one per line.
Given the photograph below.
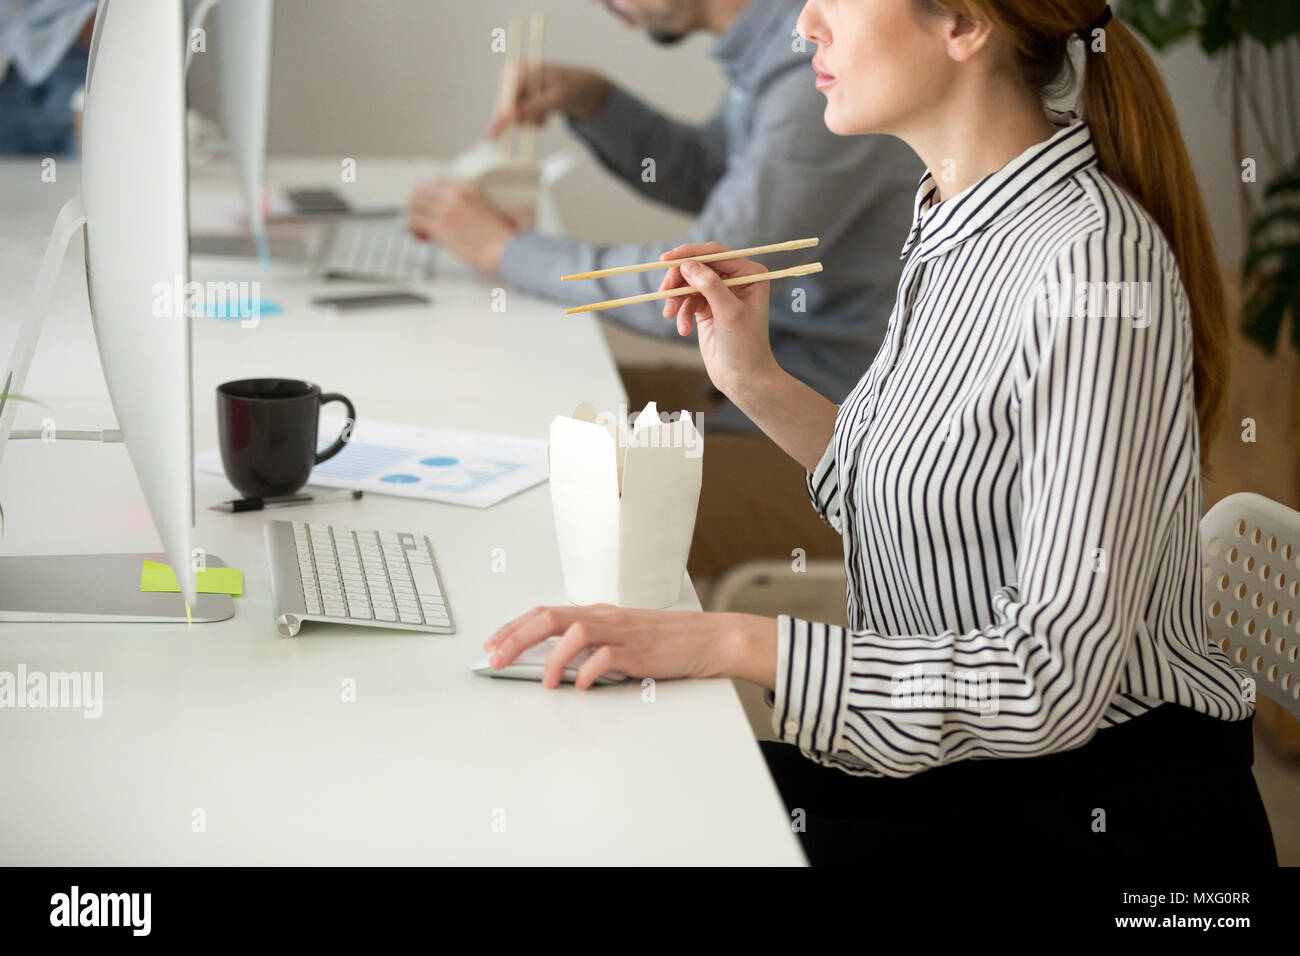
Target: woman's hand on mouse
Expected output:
[658,644]
[732,320]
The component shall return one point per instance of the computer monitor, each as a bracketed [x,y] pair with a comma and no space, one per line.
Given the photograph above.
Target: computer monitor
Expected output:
[135,188]
[240,45]
[135,198]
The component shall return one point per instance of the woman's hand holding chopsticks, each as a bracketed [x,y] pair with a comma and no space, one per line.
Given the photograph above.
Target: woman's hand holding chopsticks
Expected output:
[732,320]
[725,298]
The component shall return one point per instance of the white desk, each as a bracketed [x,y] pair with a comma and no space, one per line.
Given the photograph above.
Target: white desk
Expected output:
[249,727]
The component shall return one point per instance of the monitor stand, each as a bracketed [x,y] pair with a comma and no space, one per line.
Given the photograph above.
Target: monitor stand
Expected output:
[97,588]
[78,587]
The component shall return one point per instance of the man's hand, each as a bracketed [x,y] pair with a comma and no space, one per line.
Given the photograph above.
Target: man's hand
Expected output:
[458,217]
[541,91]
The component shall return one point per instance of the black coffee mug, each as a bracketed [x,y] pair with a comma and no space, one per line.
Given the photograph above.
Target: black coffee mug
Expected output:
[267,429]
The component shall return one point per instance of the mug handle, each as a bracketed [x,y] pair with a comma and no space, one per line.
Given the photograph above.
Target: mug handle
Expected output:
[344,436]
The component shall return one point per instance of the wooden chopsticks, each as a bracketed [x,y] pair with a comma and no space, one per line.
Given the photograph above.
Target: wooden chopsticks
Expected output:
[525,153]
[803,270]
[509,92]
[536,43]
[709,257]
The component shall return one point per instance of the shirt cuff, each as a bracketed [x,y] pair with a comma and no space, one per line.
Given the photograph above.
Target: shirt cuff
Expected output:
[810,683]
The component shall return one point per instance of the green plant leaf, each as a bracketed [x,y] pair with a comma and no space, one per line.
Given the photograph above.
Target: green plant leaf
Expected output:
[1217,23]
[1262,317]
[1285,182]
[1295,316]
[1259,254]
[1268,21]
[1269,295]
[1266,259]
[1288,182]
[1217,29]
[1266,221]
[1161,28]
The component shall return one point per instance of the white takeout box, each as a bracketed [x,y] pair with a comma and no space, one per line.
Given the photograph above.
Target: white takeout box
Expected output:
[514,187]
[624,505]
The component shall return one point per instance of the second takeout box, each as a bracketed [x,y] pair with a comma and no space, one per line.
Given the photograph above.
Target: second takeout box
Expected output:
[624,503]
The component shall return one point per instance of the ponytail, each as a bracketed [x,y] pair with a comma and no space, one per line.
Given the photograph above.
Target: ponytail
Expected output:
[1138,144]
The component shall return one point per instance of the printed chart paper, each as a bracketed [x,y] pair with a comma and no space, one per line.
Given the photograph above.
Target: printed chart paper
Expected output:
[460,468]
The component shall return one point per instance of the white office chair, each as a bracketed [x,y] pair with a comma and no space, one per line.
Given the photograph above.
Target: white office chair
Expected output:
[772,586]
[1251,549]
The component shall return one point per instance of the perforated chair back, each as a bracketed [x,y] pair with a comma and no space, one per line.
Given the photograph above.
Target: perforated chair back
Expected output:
[1250,546]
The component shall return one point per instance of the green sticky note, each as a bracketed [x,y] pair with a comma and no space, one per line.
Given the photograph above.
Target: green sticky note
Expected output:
[159,577]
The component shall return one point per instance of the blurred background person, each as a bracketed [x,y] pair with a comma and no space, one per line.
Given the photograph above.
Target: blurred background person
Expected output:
[44,45]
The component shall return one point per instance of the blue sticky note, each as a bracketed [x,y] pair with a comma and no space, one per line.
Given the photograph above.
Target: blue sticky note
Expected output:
[242,310]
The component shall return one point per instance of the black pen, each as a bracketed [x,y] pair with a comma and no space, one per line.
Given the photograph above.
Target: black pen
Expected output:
[281,501]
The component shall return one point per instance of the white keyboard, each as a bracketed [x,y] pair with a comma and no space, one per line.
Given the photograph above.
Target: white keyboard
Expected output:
[320,572]
[381,249]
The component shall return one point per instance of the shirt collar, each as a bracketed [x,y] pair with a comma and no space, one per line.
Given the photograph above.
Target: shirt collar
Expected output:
[737,48]
[938,226]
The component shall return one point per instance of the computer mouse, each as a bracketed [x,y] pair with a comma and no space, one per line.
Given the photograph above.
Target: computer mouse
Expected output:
[531,664]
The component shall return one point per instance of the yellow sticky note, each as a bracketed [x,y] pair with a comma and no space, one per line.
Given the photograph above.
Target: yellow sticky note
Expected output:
[159,577]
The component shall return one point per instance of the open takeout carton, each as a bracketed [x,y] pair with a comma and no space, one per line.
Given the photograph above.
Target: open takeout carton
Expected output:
[524,191]
[624,505]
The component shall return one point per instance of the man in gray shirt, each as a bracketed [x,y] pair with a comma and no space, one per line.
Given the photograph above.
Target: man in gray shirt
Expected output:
[764,169]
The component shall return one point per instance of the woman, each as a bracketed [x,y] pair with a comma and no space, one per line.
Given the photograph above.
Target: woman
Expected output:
[1016,477]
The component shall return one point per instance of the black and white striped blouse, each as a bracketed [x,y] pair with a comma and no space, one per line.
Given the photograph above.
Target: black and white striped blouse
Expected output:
[1017,482]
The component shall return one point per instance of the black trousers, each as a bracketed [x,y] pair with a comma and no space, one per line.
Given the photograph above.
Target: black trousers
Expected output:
[1171,787]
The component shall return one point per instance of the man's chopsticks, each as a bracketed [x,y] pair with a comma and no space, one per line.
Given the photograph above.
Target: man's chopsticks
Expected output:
[509,92]
[709,257]
[803,270]
[536,43]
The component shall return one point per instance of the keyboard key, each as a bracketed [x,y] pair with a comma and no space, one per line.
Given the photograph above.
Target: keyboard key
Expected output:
[425,580]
